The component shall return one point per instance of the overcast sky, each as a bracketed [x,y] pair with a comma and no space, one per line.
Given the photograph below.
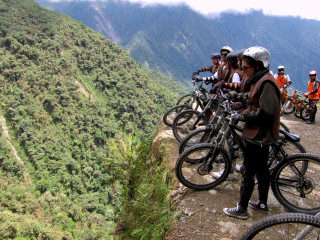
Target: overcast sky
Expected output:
[306,8]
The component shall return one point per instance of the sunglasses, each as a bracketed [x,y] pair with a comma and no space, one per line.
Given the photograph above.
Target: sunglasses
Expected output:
[224,54]
[244,68]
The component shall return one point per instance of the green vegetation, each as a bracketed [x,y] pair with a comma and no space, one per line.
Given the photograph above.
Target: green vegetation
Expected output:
[146,212]
[69,96]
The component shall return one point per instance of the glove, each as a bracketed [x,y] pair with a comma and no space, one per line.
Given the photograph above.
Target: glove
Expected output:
[237,117]
[195,73]
[233,94]
[197,78]
[216,86]
[209,80]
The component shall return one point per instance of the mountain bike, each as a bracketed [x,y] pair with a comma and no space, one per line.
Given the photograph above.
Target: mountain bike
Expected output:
[297,104]
[188,120]
[283,226]
[295,181]
[193,100]
[206,134]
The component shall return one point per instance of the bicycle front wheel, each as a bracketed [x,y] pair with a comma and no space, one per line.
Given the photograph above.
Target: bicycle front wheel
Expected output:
[170,115]
[200,175]
[187,121]
[285,226]
[199,135]
[298,188]
[189,100]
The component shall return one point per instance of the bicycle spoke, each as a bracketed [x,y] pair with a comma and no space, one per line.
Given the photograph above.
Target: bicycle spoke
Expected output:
[298,191]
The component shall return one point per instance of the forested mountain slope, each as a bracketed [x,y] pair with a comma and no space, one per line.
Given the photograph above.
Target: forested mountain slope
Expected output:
[67,95]
[177,41]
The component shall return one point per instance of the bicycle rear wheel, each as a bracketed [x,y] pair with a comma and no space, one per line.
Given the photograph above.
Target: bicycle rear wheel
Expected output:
[285,226]
[187,121]
[297,188]
[199,175]
[305,113]
[290,148]
[170,115]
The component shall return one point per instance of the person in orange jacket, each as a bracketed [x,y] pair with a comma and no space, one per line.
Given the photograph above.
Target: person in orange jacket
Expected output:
[282,78]
[313,95]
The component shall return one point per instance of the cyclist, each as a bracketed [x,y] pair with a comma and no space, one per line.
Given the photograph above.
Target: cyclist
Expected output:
[282,78]
[313,95]
[261,129]
[215,57]
[233,80]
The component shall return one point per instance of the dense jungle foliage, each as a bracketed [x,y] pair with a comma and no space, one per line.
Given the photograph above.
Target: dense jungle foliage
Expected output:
[69,96]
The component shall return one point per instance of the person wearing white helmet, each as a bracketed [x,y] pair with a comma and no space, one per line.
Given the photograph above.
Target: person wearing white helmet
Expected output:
[313,95]
[261,129]
[223,71]
[282,78]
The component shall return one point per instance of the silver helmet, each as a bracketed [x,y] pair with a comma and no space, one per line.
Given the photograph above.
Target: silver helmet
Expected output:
[226,48]
[259,54]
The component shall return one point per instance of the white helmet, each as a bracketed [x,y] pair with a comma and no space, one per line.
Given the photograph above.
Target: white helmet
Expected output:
[226,48]
[281,69]
[259,54]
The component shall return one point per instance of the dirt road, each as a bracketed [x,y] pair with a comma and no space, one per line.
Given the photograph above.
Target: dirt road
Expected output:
[200,212]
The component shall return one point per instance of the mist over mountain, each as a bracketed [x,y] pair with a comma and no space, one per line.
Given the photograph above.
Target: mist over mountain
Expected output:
[176,40]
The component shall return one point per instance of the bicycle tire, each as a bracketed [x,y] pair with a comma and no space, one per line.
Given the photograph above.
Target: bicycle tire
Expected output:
[288,107]
[284,127]
[297,188]
[195,175]
[190,100]
[170,114]
[305,113]
[283,226]
[199,135]
[185,121]
[297,113]
[289,147]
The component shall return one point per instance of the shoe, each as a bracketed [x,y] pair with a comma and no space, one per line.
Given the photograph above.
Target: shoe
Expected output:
[238,168]
[217,175]
[237,212]
[309,122]
[259,206]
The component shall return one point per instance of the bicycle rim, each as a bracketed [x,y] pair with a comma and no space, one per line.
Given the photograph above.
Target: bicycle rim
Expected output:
[186,122]
[196,175]
[296,190]
[284,226]
[290,148]
[200,135]
[305,113]
[171,114]
[189,100]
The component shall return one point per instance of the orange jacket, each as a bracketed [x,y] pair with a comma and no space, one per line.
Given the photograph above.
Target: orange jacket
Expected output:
[281,80]
[313,89]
